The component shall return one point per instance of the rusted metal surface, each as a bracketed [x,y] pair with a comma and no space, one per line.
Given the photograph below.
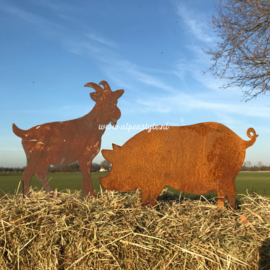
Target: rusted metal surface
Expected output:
[194,159]
[61,143]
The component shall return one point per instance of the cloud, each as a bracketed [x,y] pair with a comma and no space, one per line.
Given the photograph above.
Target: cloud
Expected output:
[183,102]
[89,45]
[199,30]
[57,7]
[82,48]
[199,62]
[114,66]
[195,66]
[155,105]
[134,71]
[11,149]
[101,40]
[29,17]
[61,113]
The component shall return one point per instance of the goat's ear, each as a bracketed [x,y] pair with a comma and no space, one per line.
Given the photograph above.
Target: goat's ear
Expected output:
[118,93]
[95,96]
[108,155]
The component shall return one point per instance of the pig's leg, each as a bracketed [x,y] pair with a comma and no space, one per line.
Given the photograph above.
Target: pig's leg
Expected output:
[154,195]
[231,194]
[153,199]
[145,195]
[221,198]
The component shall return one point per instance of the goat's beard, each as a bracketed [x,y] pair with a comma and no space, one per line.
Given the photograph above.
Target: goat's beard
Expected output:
[113,122]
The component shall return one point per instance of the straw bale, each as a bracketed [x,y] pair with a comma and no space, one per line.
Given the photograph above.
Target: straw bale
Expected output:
[114,232]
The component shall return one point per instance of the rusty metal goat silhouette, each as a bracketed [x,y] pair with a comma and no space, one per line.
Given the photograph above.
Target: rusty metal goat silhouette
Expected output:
[61,143]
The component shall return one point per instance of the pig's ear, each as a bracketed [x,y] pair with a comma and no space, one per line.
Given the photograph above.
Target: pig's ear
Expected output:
[108,155]
[116,147]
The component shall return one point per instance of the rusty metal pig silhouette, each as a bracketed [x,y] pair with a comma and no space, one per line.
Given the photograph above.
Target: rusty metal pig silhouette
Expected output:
[195,159]
[61,143]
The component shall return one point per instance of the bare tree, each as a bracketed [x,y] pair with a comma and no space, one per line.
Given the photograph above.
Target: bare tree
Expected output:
[95,167]
[248,164]
[242,56]
[244,167]
[260,164]
[105,165]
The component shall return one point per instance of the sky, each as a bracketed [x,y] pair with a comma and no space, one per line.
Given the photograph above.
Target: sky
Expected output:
[152,49]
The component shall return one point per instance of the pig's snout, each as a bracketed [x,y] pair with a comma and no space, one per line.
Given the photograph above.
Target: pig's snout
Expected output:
[106,183]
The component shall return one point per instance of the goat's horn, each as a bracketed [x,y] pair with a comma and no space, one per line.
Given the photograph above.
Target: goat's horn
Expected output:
[106,86]
[95,86]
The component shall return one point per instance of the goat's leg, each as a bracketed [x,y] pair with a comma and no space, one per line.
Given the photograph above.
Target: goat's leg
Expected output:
[85,166]
[42,177]
[27,175]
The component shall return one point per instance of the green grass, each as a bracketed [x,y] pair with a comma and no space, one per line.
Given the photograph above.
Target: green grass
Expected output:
[257,182]
[9,181]
[251,181]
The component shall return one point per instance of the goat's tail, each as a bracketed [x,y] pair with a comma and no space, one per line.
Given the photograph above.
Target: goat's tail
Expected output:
[253,137]
[19,132]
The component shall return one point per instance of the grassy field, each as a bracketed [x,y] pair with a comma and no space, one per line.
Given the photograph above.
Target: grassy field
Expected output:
[9,181]
[251,181]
